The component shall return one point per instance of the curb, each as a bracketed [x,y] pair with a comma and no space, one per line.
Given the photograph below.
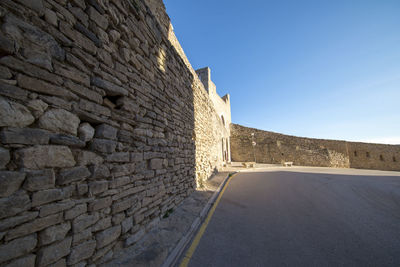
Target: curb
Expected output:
[177,252]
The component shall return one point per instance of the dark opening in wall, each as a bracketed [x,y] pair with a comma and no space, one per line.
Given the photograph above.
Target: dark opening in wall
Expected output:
[381,157]
[394,159]
[355,153]
[367,154]
[111,101]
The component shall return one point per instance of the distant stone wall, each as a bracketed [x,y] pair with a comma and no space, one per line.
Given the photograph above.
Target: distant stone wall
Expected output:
[277,148]
[104,126]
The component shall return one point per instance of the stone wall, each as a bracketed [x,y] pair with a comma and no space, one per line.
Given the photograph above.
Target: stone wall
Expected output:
[222,106]
[277,148]
[104,126]
[210,133]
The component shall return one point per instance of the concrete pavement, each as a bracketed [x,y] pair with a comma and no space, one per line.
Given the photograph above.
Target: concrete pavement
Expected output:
[305,217]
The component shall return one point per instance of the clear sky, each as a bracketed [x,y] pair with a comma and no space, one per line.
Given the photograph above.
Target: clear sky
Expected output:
[324,69]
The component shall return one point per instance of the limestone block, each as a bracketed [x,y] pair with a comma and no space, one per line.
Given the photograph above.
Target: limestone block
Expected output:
[70,175]
[51,17]
[27,136]
[81,236]
[5,73]
[83,221]
[114,35]
[38,107]
[27,261]
[127,104]
[107,236]
[14,204]
[46,196]
[54,233]
[40,157]
[30,69]
[110,88]
[34,226]
[102,224]
[72,74]
[135,237]
[156,164]
[7,46]
[59,120]
[82,189]
[122,170]
[39,59]
[117,182]
[81,252]
[36,5]
[99,171]
[55,207]
[75,211]
[106,131]
[123,205]
[4,157]
[118,157]
[86,132]
[100,203]
[118,218]
[84,157]
[136,156]
[17,220]
[17,248]
[79,39]
[40,86]
[80,15]
[54,252]
[86,93]
[89,34]
[100,20]
[60,263]
[98,187]
[10,182]
[39,180]
[66,140]
[14,115]
[126,225]
[103,145]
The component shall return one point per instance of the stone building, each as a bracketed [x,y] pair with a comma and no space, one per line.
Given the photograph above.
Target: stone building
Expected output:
[222,106]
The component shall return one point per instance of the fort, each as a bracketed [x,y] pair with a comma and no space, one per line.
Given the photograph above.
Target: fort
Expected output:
[105,126]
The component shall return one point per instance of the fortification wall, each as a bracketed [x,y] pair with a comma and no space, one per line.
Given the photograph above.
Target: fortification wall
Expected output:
[277,148]
[104,126]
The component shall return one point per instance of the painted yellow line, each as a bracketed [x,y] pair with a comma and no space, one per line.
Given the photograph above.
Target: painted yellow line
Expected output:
[203,227]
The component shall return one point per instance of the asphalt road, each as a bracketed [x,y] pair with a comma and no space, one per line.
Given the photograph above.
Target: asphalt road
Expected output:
[305,218]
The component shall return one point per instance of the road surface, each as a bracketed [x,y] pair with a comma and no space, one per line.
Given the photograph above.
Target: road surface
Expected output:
[305,217]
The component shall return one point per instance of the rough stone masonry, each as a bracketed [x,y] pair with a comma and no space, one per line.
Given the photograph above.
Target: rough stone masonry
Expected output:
[278,148]
[104,126]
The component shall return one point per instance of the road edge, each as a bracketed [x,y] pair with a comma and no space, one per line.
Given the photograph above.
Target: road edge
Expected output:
[177,252]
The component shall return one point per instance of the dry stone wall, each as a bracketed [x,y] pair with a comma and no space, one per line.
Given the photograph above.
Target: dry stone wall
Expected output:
[104,127]
[277,148]
[209,130]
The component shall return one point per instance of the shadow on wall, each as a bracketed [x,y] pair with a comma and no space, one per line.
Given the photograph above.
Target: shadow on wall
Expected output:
[278,148]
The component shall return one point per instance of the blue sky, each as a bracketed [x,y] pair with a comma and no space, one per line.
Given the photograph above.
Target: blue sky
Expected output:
[324,69]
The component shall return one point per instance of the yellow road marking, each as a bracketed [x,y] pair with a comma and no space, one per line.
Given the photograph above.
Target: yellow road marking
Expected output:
[203,227]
